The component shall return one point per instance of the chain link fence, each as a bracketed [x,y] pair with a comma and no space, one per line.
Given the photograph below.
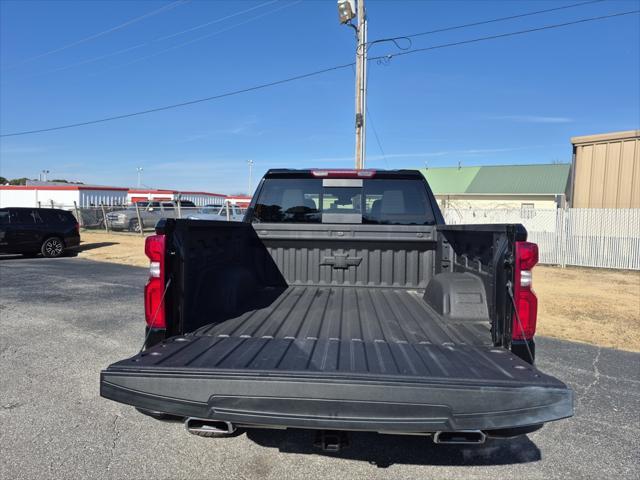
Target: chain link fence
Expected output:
[141,217]
[586,237]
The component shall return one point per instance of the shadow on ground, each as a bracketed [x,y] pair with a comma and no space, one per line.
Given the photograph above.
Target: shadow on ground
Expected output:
[91,246]
[386,450]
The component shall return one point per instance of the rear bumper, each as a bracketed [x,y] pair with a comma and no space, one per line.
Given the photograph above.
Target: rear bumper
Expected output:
[72,241]
[337,403]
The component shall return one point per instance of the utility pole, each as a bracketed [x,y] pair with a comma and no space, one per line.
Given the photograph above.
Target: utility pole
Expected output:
[250,163]
[361,86]
[347,11]
[139,170]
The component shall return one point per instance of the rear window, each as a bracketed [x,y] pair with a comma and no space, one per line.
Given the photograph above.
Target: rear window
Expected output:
[23,217]
[370,201]
[56,216]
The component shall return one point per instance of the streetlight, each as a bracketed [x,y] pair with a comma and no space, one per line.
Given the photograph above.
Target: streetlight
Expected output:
[44,175]
[139,170]
[347,11]
[250,163]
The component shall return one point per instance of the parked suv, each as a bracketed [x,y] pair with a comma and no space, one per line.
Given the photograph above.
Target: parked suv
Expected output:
[48,231]
[150,213]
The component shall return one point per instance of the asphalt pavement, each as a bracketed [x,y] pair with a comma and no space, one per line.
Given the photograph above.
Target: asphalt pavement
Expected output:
[63,320]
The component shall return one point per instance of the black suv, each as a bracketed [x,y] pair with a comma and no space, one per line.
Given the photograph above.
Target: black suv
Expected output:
[48,231]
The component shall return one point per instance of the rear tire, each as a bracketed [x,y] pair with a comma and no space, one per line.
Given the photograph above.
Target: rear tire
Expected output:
[52,247]
[134,226]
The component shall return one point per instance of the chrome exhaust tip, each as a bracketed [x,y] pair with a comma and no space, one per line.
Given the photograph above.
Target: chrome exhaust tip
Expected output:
[204,427]
[460,437]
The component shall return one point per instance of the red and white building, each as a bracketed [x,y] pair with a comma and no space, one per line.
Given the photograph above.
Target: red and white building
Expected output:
[241,201]
[200,199]
[61,196]
[70,195]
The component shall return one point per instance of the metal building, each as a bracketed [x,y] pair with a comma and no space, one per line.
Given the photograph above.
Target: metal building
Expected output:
[606,170]
[198,198]
[523,187]
[61,196]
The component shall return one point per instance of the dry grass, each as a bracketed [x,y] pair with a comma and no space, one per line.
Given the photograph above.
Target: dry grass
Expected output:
[589,305]
[595,306]
[123,248]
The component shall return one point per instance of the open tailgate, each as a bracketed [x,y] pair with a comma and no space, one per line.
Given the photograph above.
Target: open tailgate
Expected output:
[336,384]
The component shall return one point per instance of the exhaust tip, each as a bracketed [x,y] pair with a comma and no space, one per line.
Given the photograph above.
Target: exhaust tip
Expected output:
[461,437]
[209,428]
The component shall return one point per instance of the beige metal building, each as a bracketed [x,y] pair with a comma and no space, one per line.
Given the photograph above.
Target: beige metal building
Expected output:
[606,170]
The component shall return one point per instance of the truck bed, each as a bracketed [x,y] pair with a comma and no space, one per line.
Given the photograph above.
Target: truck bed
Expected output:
[346,357]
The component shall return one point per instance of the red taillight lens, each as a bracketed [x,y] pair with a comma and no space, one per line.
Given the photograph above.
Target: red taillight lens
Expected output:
[154,308]
[525,299]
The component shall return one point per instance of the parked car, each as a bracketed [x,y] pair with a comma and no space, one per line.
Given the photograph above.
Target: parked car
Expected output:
[150,213]
[227,212]
[48,231]
[342,302]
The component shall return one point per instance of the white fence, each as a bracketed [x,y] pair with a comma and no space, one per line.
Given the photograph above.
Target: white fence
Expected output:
[585,237]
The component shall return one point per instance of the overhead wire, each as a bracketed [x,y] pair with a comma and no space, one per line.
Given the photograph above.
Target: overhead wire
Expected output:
[202,37]
[502,35]
[158,39]
[319,72]
[409,43]
[100,34]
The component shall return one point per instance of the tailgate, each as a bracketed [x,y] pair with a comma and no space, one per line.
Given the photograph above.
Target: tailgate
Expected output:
[338,384]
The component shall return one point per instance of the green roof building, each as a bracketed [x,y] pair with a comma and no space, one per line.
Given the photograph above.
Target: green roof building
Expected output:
[541,186]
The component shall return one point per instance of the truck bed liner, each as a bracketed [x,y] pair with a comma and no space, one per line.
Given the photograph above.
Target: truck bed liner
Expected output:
[337,329]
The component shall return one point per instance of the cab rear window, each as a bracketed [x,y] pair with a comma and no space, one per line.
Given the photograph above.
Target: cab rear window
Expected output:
[368,201]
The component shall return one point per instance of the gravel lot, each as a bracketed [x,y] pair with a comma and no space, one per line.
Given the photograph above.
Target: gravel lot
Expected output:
[63,320]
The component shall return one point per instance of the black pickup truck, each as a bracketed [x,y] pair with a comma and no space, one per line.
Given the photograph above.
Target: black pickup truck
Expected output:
[342,302]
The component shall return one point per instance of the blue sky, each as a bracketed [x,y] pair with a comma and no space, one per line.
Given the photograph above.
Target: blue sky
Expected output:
[512,100]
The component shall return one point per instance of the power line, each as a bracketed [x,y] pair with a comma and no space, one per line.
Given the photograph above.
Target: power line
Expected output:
[202,37]
[319,72]
[100,34]
[475,24]
[495,20]
[375,134]
[184,104]
[150,42]
[502,35]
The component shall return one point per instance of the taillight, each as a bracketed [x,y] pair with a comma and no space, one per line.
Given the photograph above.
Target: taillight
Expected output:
[77,226]
[525,299]
[154,308]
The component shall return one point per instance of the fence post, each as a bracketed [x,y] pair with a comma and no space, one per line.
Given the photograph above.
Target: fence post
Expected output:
[39,204]
[78,217]
[140,224]
[52,204]
[104,218]
[179,205]
[564,235]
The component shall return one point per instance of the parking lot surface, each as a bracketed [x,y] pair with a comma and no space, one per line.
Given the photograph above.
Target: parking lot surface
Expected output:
[62,320]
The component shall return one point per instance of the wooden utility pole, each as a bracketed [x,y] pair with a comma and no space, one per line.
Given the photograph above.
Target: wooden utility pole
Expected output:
[361,85]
